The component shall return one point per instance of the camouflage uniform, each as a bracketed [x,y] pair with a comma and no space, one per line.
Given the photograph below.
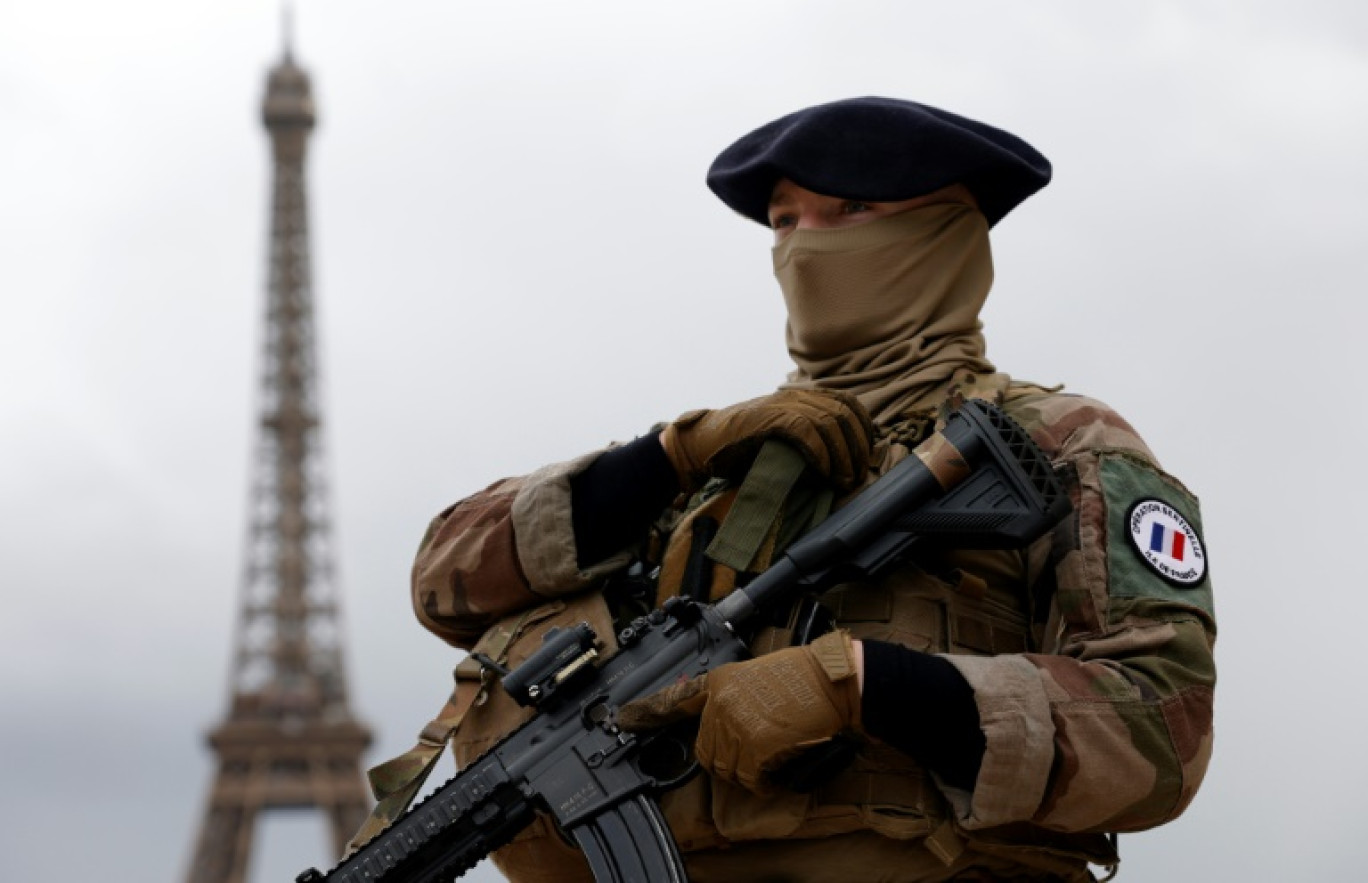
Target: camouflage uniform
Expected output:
[1092,673]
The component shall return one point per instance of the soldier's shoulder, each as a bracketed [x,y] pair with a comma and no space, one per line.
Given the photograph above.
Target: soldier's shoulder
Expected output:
[1066,424]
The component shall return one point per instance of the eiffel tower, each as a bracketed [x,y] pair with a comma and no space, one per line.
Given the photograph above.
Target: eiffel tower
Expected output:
[289,740]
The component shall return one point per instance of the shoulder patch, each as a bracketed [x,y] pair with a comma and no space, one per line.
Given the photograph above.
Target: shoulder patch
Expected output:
[1166,542]
[1153,535]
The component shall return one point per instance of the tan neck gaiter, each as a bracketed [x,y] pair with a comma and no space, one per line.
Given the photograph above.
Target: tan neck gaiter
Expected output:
[888,310]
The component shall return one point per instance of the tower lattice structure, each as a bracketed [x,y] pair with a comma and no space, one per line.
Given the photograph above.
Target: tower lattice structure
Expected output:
[289,740]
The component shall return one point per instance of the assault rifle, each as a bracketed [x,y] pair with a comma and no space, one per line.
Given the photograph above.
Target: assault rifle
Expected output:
[979,483]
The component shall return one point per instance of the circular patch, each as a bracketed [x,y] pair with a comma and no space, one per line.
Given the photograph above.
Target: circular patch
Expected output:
[1166,542]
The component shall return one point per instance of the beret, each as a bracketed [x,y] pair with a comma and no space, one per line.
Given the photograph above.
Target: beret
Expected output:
[878,150]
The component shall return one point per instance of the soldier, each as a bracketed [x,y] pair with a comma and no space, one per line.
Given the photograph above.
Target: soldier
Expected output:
[1012,709]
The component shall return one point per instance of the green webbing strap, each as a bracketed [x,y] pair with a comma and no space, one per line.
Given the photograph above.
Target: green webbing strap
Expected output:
[397,781]
[758,506]
[807,506]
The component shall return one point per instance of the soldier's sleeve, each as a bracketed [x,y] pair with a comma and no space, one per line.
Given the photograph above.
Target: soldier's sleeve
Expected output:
[1109,728]
[504,549]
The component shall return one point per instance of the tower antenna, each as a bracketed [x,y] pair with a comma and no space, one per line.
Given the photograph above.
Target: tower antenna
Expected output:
[287,29]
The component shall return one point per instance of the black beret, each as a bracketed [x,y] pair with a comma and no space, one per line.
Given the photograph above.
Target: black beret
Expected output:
[878,150]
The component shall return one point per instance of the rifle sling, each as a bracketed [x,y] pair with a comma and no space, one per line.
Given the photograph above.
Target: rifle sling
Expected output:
[397,781]
[767,496]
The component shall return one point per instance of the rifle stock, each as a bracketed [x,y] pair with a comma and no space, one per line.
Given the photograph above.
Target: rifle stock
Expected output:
[979,483]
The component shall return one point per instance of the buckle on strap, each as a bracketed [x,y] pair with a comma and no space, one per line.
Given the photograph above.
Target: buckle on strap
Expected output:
[945,843]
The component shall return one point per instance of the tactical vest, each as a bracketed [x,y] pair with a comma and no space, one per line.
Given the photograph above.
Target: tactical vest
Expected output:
[976,603]
[963,603]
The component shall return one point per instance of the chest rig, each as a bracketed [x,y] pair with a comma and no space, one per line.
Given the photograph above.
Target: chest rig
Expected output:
[976,603]
[945,602]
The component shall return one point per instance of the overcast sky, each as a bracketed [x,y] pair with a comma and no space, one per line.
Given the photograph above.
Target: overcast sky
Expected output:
[516,260]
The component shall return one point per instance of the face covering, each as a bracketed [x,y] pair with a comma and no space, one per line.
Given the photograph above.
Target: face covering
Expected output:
[888,310]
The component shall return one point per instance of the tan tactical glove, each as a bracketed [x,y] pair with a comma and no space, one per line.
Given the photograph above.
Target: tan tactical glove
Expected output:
[831,429]
[754,715]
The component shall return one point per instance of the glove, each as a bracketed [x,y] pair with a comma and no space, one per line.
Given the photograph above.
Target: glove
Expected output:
[831,429]
[754,715]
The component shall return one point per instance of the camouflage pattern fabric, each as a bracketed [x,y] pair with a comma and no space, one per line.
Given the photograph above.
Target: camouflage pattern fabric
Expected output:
[1091,660]
[1107,726]
[505,549]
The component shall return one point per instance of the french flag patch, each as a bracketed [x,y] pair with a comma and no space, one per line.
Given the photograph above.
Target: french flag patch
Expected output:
[1167,542]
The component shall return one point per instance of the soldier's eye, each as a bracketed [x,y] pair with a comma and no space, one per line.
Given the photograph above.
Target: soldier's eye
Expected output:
[854,207]
[779,221]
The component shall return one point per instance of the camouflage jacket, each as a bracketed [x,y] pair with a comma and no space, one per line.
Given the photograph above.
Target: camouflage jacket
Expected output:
[1090,653]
